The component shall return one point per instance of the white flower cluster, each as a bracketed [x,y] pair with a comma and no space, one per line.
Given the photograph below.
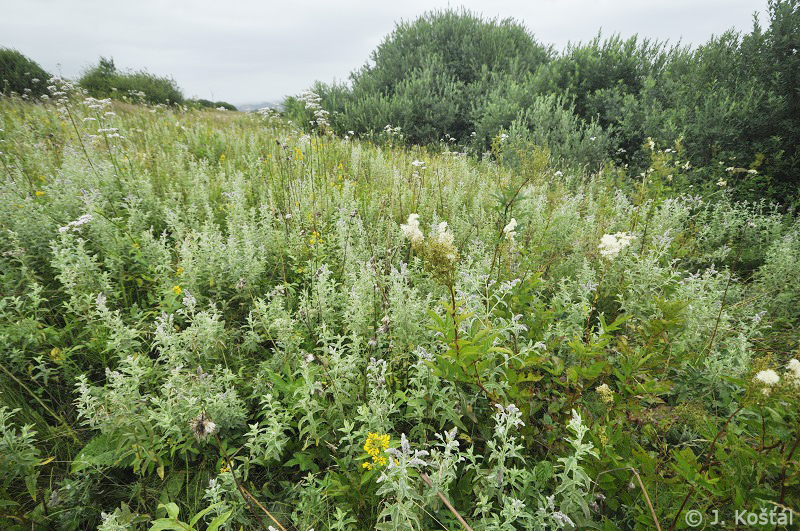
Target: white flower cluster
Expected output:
[202,426]
[443,236]
[312,101]
[76,225]
[794,371]
[606,394]
[611,244]
[411,230]
[509,231]
[768,378]
[389,130]
[96,104]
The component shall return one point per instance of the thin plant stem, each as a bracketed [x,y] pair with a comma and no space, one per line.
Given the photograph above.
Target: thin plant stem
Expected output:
[246,493]
[647,498]
[39,400]
[447,504]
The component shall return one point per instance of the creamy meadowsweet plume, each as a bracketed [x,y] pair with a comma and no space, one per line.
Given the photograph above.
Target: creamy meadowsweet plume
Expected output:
[606,394]
[611,244]
[794,371]
[768,378]
[411,230]
[444,236]
[509,231]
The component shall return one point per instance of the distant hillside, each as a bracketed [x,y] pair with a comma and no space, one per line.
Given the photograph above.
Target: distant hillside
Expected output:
[256,106]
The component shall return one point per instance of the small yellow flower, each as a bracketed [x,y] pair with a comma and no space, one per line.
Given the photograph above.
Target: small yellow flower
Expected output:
[177,289]
[375,446]
[39,193]
[179,271]
[222,158]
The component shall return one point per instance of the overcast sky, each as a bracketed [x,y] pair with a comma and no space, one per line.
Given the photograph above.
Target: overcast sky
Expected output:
[248,51]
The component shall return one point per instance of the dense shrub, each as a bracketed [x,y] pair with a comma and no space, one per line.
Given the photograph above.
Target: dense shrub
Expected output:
[208,104]
[105,81]
[731,104]
[430,77]
[21,75]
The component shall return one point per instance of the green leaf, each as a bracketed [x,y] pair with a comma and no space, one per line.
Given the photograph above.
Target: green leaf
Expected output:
[167,523]
[172,509]
[204,512]
[219,520]
[100,451]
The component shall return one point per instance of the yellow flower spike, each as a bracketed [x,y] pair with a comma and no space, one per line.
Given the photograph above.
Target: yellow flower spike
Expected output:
[222,158]
[375,445]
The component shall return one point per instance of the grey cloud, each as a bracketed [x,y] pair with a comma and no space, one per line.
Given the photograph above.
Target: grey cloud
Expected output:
[257,50]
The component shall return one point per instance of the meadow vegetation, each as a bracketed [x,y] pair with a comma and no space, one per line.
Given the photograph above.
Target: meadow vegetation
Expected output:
[219,320]
[732,102]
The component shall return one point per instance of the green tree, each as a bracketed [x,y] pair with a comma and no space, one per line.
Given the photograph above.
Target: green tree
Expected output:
[21,75]
[105,81]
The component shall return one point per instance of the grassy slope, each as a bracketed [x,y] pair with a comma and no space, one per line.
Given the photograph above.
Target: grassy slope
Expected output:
[234,267]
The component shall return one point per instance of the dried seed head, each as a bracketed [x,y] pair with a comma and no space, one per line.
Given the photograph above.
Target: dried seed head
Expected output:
[202,426]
